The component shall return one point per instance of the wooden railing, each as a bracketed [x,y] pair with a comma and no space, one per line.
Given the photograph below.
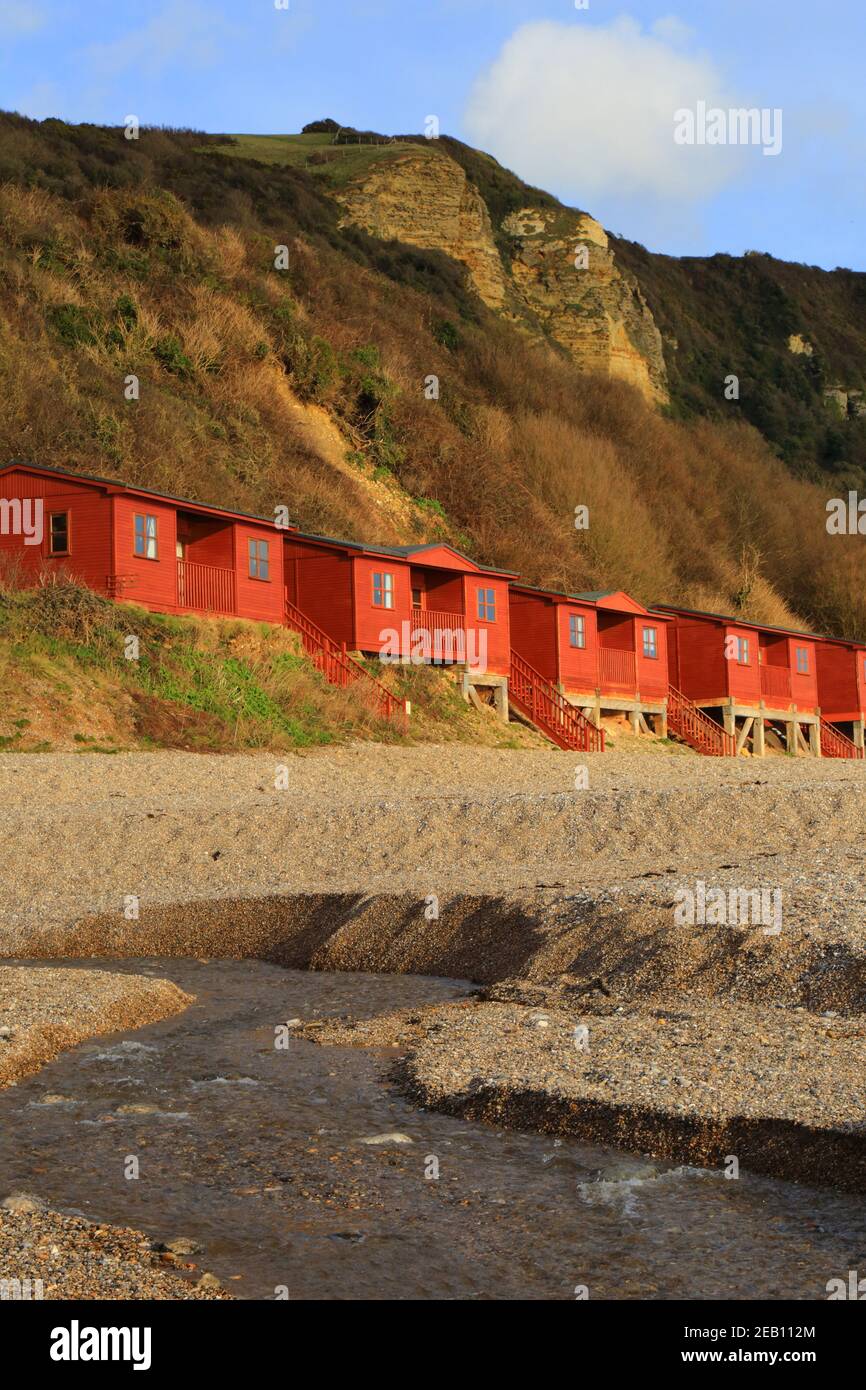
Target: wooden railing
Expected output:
[343,670]
[445,633]
[210,588]
[544,706]
[835,744]
[616,669]
[688,722]
[776,683]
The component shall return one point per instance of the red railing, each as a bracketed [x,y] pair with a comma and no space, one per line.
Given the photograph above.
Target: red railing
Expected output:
[776,683]
[545,707]
[616,669]
[445,633]
[340,669]
[688,722]
[835,744]
[210,588]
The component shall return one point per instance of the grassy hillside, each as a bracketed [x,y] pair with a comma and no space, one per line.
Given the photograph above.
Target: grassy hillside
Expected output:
[198,684]
[305,387]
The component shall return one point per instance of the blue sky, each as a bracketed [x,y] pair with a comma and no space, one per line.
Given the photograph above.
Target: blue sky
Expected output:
[578,100]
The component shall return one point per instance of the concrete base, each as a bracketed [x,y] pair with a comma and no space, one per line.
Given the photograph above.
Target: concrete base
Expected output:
[640,712]
[471,682]
[748,725]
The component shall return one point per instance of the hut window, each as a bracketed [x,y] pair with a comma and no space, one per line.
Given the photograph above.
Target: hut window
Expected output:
[58,535]
[743,651]
[576,630]
[259,559]
[803,661]
[486,605]
[383,590]
[145,536]
[650,642]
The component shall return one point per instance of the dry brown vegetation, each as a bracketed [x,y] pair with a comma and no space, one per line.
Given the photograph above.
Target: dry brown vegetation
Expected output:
[306,387]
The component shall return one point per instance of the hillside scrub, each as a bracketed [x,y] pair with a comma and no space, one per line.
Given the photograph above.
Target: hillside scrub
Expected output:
[306,387]
[202,684]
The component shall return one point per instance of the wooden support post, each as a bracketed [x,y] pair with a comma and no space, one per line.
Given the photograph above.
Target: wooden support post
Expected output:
[858,732]
[729,720]
[815,740]
[744,733]
[758,748]
[645,728]
[661,722]
[791,735]
[634,718]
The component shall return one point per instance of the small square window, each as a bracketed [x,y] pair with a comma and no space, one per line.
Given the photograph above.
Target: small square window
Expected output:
[58,534]
[259,560]
[383,590]
[743,651]
[650,642]
[145,536]
[486,599]
[803,661]
[576,630]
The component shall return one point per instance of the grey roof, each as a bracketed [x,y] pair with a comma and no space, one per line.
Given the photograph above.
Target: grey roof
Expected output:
[751,622]
[134,487]
[400,552]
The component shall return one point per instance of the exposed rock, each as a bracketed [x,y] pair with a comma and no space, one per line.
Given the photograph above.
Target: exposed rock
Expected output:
[844,401]
[568,277]
[22,1203]
[800,346]
[837,397]
[425,199]
[595,311]
[394,1138]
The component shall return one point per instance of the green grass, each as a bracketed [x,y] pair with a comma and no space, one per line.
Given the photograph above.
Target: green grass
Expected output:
[336,164]
[203,684]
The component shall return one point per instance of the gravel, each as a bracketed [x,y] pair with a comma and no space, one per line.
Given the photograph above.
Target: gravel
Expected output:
[75,1258]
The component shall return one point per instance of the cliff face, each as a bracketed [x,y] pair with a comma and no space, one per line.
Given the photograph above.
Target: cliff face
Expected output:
[565,272]
[553,272]
[426,200]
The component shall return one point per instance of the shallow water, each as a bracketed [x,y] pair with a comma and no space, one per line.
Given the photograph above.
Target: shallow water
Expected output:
[253,1153]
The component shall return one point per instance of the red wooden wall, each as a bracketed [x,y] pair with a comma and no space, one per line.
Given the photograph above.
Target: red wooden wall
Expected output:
[89,510]
[372,621]
[841,680]
[150,582]
[533,619]
[320,582]
[262,599]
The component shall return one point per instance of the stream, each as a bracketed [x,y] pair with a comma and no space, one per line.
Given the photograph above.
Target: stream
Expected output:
[254,1153]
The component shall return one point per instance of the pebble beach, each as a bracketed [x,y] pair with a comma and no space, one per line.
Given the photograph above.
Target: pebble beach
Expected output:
[703,1038]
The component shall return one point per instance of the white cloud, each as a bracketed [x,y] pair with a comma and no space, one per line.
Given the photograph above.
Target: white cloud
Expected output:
[588,111]
[184,31]
[670,29]
[18,18]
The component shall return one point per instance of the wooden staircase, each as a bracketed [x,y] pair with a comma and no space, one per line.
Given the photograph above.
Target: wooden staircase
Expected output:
[835,744]
[687,722]
[550,712]
[343,670]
